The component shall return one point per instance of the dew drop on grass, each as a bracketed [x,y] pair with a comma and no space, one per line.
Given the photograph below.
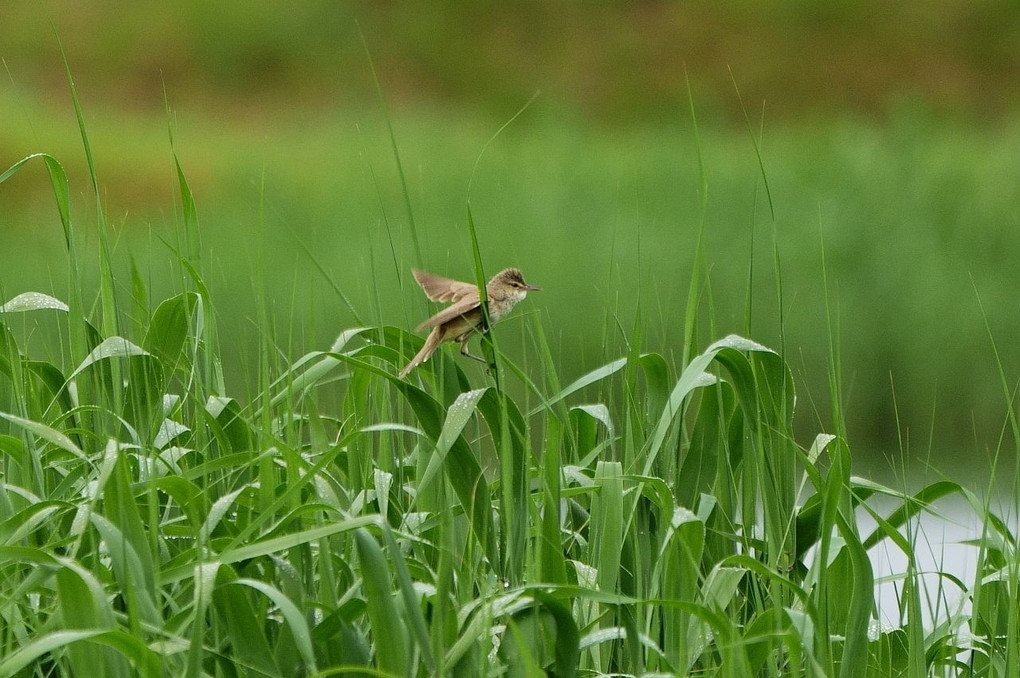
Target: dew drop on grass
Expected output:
[33,301]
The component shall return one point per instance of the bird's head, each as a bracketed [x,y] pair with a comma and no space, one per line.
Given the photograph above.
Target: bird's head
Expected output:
[510,281]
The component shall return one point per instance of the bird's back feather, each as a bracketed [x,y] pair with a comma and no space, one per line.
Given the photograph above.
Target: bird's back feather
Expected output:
[462,307]
[439,288]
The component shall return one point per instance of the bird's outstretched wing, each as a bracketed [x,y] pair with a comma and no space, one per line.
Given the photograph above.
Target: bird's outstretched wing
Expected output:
[438,288]
[462,307]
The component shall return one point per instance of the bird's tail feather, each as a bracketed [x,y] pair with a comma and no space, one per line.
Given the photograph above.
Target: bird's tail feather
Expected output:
[431,344]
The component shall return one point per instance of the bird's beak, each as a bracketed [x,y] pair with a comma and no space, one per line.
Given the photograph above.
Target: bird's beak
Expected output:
[533,288]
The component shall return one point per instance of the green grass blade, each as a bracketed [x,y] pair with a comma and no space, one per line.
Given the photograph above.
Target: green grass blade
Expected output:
[292,615]
[396,153]
[268,546]
[491,349]
[146,662]
[607,524]
[698,264]
[587,380]
[410,598]
[83,605]
[110,320]
[392,652]
[248,644]
[61,194]
[48,434]
[457,417]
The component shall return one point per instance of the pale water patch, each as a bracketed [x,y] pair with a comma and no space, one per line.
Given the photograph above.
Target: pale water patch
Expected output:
[945,542]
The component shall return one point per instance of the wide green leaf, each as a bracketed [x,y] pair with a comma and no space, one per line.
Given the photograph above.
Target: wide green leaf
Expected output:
[174,326]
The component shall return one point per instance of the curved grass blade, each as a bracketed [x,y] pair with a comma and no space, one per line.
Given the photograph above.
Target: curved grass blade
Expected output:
[587,380]
[33,301]
[291,614]
[112,347]
[48,434]
[147,662]
[457,417]
[268,546]
[61,194]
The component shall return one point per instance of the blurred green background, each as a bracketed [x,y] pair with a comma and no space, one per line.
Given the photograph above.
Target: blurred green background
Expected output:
[888,133]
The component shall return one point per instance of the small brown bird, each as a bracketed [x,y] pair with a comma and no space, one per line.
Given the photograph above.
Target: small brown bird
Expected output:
[463,318]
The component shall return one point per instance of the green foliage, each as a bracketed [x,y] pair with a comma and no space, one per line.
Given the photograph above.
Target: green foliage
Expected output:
[643,519]
[914,211]
[162,555]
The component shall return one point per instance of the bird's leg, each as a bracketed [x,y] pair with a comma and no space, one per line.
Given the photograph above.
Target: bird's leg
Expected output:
[464,351]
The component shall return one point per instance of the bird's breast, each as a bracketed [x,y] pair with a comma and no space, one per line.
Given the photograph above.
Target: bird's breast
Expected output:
[500,306]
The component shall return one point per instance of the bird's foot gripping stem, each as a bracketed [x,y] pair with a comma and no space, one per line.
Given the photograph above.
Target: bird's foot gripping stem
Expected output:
[464,352]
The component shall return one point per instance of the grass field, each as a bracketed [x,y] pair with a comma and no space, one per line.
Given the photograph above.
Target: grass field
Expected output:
[619,508]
